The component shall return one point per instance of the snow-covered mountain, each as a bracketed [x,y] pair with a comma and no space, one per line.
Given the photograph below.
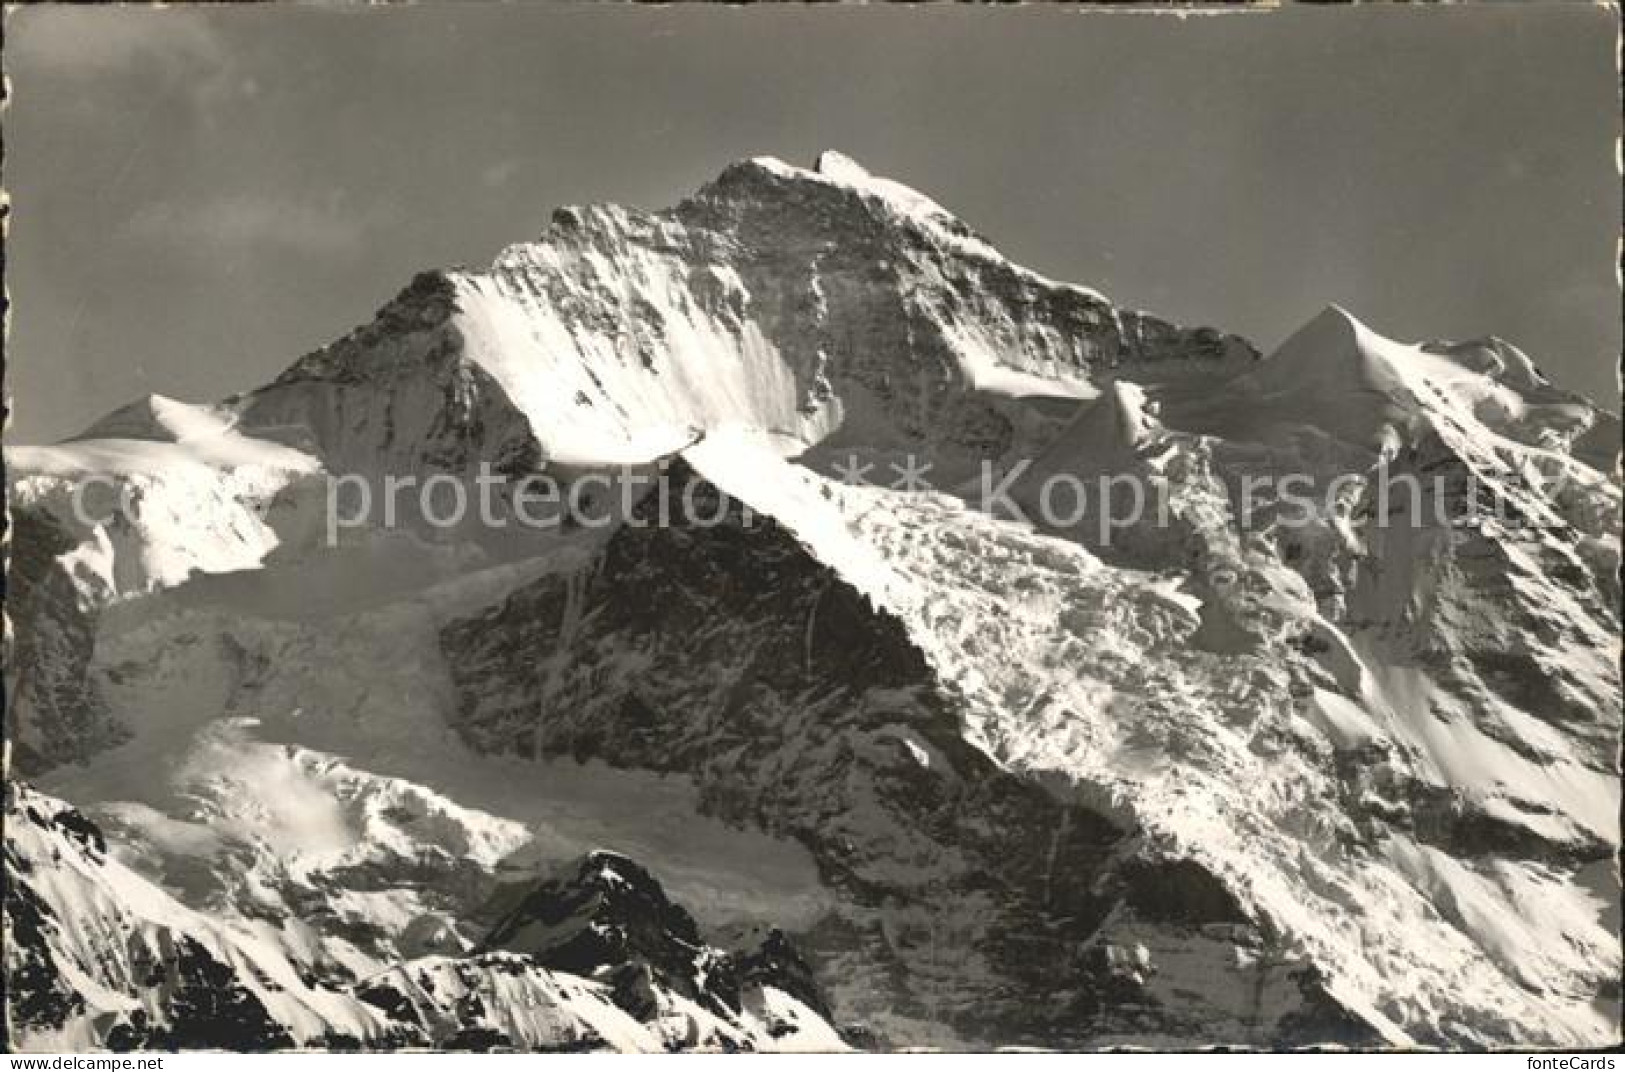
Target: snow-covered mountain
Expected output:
[1286,758]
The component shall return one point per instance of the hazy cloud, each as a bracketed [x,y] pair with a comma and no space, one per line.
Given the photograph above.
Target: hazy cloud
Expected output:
[255,220]
[92,41]
[499,174]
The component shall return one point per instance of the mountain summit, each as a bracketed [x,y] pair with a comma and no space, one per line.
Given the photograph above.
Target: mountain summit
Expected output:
[807,305]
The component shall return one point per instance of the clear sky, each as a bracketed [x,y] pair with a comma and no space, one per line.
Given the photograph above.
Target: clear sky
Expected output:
[200,196]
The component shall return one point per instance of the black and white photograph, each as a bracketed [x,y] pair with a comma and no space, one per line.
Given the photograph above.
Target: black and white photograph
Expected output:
[849,528]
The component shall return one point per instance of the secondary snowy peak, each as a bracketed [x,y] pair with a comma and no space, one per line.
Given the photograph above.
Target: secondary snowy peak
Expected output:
[156,434]
[161,419]
[1338,379]
[1335,338]
[1333,341]
[1109,429]
[1336,374]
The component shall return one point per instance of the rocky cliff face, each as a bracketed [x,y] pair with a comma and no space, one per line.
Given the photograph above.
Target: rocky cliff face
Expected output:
[1289,755]
[59,712]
